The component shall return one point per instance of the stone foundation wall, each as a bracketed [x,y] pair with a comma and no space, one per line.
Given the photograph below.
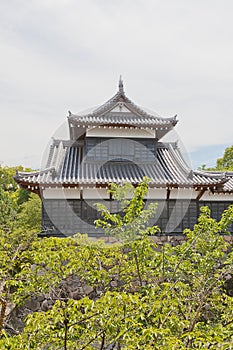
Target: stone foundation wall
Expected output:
[70,288]
[160,239]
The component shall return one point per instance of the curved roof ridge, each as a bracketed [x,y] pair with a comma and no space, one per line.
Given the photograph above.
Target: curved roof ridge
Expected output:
[220,175]
[218,172]
[36,172]
[108,104]
[179,159]
[105,107]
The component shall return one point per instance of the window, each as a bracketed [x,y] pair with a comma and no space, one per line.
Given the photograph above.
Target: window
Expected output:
[119,149]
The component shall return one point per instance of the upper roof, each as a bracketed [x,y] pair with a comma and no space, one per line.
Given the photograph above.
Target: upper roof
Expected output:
[121,111]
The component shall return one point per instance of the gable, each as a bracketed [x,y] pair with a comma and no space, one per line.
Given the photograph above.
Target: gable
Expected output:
[120,107]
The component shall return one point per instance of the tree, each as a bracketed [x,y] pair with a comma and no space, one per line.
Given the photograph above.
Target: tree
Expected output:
[226,162]
[19,208]
[13,246]
[8,211]
[174,298]
[133,221]
[29,216]
[19,220]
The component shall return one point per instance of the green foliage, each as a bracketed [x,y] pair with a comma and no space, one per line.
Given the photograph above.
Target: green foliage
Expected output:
[134,221]
[7,174]
[141,297]
[7,182]
[29,217]
[226,162]
[20,216]
[14,248]
[19,209]
[8,211]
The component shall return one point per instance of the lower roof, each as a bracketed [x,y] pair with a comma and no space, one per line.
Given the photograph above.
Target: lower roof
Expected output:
[67,167]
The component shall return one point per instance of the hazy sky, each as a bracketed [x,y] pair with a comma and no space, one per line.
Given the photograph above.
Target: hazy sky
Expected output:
[176,57]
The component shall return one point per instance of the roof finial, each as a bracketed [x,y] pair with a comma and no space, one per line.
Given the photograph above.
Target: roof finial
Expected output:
[121,86]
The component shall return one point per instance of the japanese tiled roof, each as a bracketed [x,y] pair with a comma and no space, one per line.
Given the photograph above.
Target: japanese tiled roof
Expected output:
[120,110]
[65,167]
[228,185]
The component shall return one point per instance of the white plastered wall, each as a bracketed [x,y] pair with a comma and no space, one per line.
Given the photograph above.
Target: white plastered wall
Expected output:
[209,196]
[153,193]
[61,193]
[157,193]
[120,132]
[183,193]
[95,193]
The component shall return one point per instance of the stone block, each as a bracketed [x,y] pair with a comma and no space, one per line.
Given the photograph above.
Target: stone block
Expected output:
[32,304]
[45,305]
[114,284]
[87,289]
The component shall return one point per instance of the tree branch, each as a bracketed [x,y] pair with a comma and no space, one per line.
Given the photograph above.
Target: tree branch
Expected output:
[3,312]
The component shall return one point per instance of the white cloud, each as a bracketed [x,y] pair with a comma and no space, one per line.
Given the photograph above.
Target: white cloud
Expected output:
[175,57]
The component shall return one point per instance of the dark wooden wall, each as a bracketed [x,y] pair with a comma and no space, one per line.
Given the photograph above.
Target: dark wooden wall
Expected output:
[77,216]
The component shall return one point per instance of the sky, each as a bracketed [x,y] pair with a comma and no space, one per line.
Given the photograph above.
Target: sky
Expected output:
[175,57]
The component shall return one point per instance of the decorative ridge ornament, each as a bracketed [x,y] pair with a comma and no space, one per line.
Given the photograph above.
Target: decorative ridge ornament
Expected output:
[121,85]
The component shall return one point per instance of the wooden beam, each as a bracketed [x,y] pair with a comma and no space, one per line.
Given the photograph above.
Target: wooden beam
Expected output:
[200,194]
[168,193]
